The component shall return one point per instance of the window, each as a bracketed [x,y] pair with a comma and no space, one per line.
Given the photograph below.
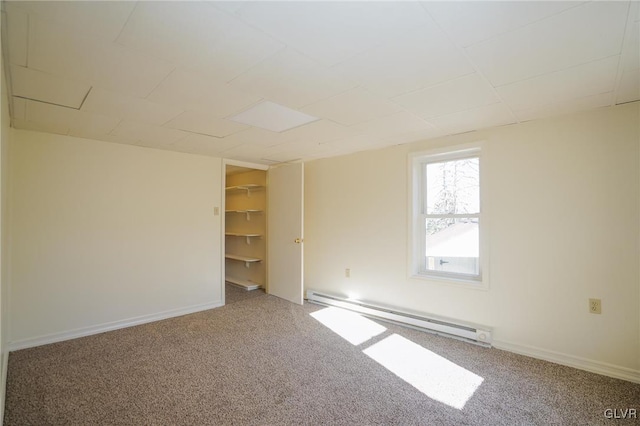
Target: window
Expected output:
[446,228]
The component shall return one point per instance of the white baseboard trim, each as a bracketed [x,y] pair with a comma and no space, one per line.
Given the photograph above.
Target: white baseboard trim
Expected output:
[110,326]
[592,366]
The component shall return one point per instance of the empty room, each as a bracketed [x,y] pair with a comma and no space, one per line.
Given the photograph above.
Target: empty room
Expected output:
[320,212]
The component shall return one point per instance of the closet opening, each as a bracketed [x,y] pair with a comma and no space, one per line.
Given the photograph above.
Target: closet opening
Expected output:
[245,228]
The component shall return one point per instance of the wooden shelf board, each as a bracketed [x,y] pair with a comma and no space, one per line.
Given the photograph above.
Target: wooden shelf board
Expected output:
[242,258]
[239,234]
[245,284]
[246,187]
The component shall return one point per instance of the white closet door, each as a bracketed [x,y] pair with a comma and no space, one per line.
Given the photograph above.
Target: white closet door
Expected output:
[285,226]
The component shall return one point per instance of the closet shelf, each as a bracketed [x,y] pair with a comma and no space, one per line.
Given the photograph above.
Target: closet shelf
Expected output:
[239,234]
[245,284]
[247,260]
[248,187]
[247,212]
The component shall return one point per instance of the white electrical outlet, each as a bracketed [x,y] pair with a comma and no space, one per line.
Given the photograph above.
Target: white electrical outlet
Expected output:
[216,211]
[347,272]
[595,306]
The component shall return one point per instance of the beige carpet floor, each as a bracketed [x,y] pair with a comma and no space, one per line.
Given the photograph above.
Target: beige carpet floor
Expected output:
[264,361]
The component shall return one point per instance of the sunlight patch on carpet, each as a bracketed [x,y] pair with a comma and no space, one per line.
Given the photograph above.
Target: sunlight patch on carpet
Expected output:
[352,327]
[435,376]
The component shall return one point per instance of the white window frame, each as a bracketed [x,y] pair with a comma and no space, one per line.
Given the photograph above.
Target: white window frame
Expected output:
[417,215]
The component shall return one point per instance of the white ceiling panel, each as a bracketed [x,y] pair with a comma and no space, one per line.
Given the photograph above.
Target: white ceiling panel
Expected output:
[17,34]
[577,82]
[40,86]
[319,131]
[395,124]
[474,119]
[19,108]
[421,135]
[456,95]
[115,105]
[352,107]
[175,31]
[628,86]
[59,50]
[147,133]
[255,136]
[331,32]
[68,121]
[201,144]
[55,128]
[291,79]
[578,35]
[271,116]
[193,91]
[204,123]
[246,152]
[419,58]
[103,19]
[566,107]
[470,22]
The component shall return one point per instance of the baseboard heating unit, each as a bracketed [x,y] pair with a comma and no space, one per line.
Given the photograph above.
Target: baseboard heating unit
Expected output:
[480,336]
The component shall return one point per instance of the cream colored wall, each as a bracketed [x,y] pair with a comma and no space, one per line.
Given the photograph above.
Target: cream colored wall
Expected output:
[5,134]
[105,235]
[563,202]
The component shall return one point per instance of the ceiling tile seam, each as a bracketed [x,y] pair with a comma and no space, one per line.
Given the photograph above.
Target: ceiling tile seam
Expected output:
[431,86]
[6,63]
[45,102]
[473,65]
[175,67]
[85,98]
[602,58]
[124,25]
[559,103]
[244,108]
[576,5]
[357,86]
[110,133]
[625,41]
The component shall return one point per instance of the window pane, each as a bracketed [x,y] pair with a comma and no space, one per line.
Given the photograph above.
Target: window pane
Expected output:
[452,245]
[453,187]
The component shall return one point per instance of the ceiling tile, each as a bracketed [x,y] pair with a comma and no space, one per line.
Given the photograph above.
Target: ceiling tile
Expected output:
[566,107]
[203,123]
[59,50]
[201,144]
[352,107]
[628,87]
[17,34]
[68,120]
[175,31]
[246,152]
[40,86]
[291,79]
[419,58]
[103,19]
[395,124]
[455,95]
[421,135]
[331,32]
[115,105]
[318,132]
[193,91]
[255,136]
[474,119]
[56,128]
[469,22]
[577,82]
[19,108]
[158,136]
[271,116]
[575,36]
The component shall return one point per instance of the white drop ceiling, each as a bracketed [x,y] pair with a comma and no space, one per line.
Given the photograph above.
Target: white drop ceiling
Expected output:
[172,75]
